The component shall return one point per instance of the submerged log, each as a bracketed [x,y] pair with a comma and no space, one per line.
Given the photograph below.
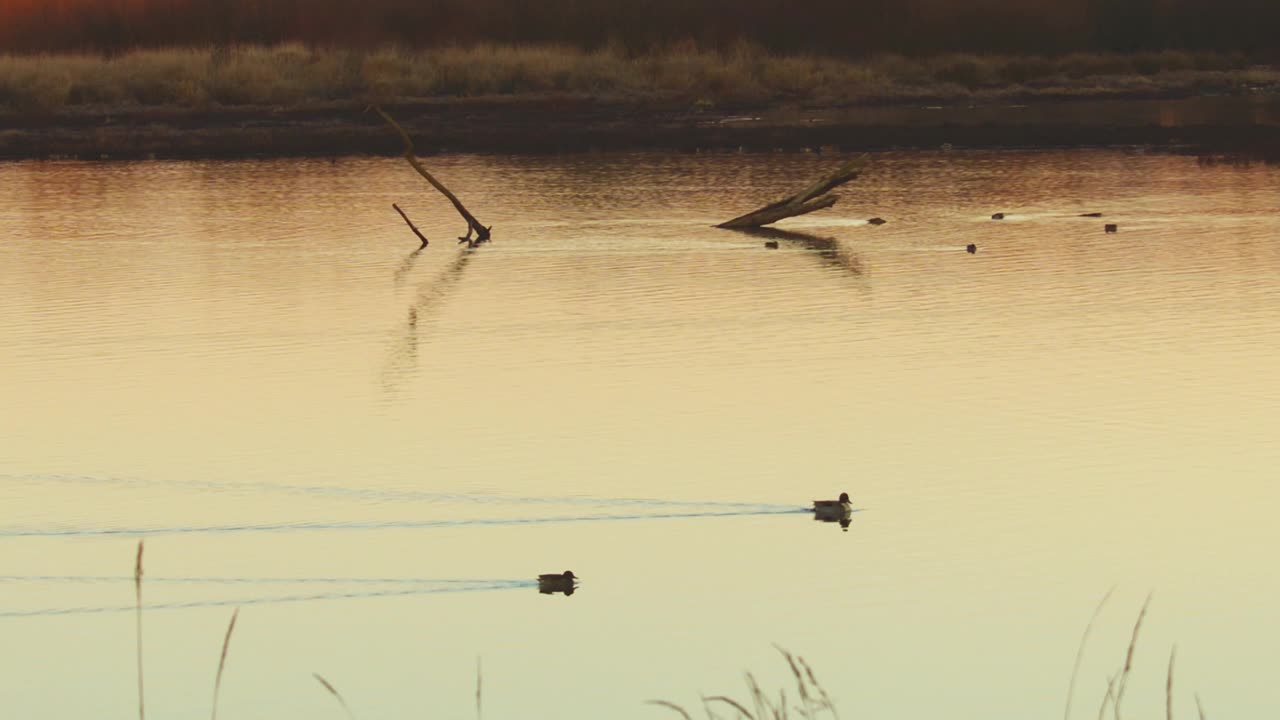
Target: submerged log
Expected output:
[814,197]
[473,225]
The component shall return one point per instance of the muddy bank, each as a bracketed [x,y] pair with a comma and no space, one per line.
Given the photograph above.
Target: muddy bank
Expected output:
[1211,125]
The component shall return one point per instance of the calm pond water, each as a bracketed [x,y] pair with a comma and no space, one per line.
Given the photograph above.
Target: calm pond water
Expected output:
[372,452]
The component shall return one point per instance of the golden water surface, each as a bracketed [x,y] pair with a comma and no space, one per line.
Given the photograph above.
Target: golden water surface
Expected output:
[373,452]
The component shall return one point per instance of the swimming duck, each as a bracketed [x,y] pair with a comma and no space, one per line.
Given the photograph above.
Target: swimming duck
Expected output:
[557,582]
[833,509]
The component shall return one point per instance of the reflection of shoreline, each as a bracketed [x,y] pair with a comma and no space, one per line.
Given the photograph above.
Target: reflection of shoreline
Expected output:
[537,125]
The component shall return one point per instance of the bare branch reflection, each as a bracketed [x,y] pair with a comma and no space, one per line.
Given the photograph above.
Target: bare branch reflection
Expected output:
[402,361]
[406,265]
[827,248]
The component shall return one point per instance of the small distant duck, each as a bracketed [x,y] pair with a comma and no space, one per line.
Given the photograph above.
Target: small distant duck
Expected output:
[771,244]
[1110,227]
[877,221]
[997,216]
[971,248]
[557,582]
[833,508]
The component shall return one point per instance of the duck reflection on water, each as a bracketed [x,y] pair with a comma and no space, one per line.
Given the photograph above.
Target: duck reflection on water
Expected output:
[840,511]
[552,583]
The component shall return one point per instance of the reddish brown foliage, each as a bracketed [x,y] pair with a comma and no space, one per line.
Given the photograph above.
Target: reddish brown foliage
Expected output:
[847,27]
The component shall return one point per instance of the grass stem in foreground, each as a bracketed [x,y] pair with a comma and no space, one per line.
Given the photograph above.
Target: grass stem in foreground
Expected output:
[334,691]
[222,662]
[1128,658]
[1075,669]
[137,586]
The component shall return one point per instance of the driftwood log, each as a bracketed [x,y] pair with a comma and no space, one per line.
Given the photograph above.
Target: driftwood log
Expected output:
[811,198]
[473,225]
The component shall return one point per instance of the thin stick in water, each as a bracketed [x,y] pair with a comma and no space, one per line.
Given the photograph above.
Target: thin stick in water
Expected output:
[1199,707]
[479,685]
[137,586]
[414,228]
[222,662]
[1075,669]
[1168,687]
[334,691]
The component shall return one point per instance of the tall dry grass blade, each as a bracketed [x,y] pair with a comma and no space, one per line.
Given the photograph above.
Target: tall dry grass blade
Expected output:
[1128,658]
[827,703]
[800,681]
[1168,687]
[479,685]
[757,697]
[1075,669]
[334,691]
[670,705]
[1199,707]
[137,587]
[1108,698]
[733,704]
[222,662]
[710,711]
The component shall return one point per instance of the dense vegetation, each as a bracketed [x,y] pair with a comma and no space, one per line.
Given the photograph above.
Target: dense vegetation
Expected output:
[833,27]
[294,75]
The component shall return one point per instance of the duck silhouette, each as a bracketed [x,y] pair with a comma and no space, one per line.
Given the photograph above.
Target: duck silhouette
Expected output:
[551,583]
[833,508]
[840,511]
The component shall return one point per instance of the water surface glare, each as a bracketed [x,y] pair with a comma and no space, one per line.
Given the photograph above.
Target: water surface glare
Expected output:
[250,365]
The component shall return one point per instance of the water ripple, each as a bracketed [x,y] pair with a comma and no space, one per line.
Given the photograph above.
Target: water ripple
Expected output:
[375,524]
[482,586]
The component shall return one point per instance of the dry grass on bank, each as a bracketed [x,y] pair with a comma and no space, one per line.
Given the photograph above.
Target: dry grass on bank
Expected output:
[294,75]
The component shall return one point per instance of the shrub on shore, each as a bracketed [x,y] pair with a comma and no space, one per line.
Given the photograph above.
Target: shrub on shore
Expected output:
[294,75]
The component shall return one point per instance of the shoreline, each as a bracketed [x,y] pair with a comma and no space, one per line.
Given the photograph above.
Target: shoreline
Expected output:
[1246,125]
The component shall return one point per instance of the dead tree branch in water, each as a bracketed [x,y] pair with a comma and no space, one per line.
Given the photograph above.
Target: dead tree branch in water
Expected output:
[813,197]
[473,225]
[414,228]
